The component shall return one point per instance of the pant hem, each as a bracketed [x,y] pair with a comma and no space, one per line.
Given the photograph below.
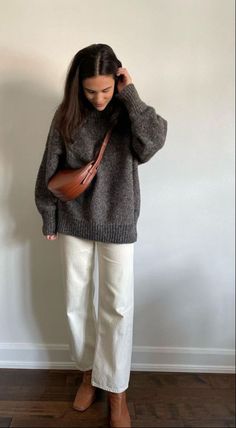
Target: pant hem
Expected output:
[108,388]
[83,369]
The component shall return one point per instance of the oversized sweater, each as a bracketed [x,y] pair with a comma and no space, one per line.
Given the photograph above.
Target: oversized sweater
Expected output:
[108,210]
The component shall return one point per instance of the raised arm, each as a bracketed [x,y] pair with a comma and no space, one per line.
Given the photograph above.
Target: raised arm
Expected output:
[149,129]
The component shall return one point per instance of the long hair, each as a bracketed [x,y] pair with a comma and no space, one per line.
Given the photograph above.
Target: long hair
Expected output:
[96,59]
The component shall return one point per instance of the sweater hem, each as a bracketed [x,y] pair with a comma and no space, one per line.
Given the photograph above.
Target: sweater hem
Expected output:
[110,232]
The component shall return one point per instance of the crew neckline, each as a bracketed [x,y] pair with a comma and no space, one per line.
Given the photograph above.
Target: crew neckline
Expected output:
[96,114]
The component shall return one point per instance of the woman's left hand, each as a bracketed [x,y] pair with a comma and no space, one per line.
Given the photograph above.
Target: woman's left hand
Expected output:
[124,78]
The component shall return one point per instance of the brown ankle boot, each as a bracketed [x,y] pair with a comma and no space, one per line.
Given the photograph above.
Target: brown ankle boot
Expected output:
[119,412]
[86,393]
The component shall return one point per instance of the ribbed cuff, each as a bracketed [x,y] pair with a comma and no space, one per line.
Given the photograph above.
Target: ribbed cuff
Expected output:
[49,223]
[130,97]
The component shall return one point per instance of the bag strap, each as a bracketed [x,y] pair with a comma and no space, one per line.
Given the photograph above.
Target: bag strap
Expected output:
[102,149]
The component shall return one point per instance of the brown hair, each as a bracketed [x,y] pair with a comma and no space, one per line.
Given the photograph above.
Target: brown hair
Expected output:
[96,59]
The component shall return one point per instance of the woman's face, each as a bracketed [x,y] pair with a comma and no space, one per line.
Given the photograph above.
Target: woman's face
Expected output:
[99,90]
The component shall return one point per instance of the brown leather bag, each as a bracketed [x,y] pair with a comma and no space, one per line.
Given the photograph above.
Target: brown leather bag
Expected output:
[68,184]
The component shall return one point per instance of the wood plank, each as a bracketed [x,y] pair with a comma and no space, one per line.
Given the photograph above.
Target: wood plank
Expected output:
[44,398]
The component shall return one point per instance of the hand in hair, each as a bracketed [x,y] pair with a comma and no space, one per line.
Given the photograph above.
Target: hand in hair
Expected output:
[124,78]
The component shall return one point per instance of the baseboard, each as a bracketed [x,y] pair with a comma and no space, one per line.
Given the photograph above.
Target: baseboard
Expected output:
[144,358]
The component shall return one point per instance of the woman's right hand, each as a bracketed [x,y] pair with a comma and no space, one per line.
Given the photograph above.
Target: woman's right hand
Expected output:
[51,237]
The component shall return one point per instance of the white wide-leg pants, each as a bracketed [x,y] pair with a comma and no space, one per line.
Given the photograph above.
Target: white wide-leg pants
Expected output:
[103,344]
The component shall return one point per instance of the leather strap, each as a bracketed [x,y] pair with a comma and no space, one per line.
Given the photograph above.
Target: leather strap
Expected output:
[102,149]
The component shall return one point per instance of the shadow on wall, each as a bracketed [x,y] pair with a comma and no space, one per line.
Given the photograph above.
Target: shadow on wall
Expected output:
[33,291]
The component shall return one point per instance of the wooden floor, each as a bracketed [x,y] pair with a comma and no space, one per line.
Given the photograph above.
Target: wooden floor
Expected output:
[43,398]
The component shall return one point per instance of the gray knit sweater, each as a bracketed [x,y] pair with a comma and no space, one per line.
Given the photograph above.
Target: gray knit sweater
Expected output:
[109,208]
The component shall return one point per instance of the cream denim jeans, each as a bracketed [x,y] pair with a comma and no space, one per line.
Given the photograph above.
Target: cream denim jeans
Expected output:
[103,344]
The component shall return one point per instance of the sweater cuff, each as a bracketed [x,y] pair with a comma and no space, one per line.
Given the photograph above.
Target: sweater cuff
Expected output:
[49,223]
[130,97]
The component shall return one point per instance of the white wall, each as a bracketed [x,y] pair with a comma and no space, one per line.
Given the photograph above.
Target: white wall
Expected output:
[180,56]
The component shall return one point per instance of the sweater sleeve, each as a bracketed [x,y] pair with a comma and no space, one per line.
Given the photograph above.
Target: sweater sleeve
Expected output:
[45,201]
[149,129]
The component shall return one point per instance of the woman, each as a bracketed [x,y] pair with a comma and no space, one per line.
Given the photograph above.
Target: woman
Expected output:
[99,93]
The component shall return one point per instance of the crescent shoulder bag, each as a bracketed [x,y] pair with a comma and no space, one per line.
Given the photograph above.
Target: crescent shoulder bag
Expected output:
[68,184]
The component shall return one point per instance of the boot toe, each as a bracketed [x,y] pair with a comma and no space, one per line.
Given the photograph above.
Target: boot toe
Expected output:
[86,393]
[119,412]
[84,398]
